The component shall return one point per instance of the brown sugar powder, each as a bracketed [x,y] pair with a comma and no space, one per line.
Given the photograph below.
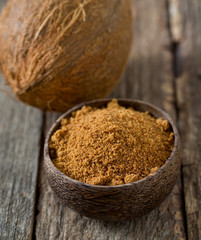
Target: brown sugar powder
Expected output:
[111,146]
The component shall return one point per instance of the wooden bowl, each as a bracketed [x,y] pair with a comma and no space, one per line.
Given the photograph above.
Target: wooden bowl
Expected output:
[118,202]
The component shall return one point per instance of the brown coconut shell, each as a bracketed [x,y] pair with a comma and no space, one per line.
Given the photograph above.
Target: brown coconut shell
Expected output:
[57,53]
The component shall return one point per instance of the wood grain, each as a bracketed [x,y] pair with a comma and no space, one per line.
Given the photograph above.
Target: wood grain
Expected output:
[20,129]
[188,85]
[149,76]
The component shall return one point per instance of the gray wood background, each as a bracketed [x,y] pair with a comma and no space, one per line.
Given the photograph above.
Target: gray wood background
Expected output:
[164,69]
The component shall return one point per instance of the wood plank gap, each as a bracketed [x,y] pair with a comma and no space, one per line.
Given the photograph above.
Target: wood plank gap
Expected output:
[175,47]
[40,160]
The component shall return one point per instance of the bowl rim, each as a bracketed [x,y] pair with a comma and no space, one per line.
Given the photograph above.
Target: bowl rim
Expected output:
[53,128]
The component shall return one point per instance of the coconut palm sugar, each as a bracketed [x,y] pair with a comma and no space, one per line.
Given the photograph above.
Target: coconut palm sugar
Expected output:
[111,146]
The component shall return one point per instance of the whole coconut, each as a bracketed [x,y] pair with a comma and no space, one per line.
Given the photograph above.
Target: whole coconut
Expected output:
[57,53]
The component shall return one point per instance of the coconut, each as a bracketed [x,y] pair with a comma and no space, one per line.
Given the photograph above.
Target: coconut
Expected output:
[57,53]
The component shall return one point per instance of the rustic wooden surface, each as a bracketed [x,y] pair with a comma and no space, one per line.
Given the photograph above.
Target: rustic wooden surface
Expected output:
[164,69]
[19,143]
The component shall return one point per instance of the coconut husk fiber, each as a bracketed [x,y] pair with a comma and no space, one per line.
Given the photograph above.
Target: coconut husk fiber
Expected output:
[57,53]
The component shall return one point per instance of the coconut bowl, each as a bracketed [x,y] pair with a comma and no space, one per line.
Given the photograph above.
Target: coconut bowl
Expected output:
[120,202]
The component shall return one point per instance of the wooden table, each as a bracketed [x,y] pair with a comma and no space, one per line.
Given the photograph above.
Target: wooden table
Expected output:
[164,69]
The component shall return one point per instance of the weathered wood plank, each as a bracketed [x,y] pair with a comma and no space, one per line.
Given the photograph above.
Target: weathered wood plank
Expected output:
[149,76]
[19,140]
[188,82]
[20,129]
